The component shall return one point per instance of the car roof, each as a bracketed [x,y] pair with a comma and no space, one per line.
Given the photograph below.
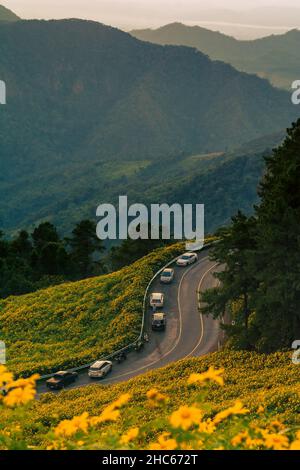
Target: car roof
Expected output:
[100,363]
[188,254]
[158,316]
[168,270]
[62,372]
[156,295]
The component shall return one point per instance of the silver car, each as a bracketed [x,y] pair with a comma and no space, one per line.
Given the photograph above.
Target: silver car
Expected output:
[167,276]
[186,259]
[100,369]
[157,300]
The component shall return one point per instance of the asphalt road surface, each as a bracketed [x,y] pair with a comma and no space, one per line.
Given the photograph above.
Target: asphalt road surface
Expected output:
[187,334]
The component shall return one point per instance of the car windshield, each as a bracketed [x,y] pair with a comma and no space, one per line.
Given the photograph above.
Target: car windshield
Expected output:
[167,273]
[59,376]
[186,257]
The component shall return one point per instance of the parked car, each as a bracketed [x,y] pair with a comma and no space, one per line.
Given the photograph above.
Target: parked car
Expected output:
[156,300]
[186,259]
[100,369]
[61,379]
[167,276]
[159,321]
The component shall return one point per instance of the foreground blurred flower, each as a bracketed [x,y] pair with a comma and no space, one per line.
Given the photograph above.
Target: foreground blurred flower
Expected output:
[237,409]
[164,443]
[70,427]
[212,374]
[5,377]
[275,441]
[296,444]
[121,401]
[17,392]
[19,396]
[185,417]
[155,397]
[130,435]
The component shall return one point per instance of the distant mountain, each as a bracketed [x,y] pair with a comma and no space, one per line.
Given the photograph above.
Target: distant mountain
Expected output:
[90,107]
[7,15]
[275,57]
[270,16]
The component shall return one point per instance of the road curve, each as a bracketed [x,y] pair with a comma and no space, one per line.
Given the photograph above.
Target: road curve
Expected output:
[188,334]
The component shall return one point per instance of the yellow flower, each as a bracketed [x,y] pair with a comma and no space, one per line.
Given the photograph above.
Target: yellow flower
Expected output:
[5,377]
[239,438]
[19,396]
[108,414]
[130,435]
[275,441]
[185,417]
[70,427]
[237,409]
[260,409]
[186,446]
[121,401]
[155,397]
[295,445]
[207,427]
[24,382]
[253,443]
[164,443]
[277,425]
[212,374]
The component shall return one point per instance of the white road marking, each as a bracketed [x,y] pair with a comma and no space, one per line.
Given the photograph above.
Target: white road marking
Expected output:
[199,304]
[180,330]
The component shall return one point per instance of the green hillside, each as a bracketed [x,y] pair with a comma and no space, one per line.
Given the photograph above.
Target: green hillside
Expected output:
[275,57]
[72,324]
[90,107]
[7,15]
[268,386]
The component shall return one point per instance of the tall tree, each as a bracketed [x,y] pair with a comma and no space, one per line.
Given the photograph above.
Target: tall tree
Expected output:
[261,280]
[85,249]
[278,240]
[234,253]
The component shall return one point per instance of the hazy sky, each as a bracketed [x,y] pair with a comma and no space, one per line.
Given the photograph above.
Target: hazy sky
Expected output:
[128,14]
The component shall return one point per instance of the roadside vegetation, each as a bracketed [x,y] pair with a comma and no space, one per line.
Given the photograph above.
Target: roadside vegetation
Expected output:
[227,400]
[75,323]
[260,286]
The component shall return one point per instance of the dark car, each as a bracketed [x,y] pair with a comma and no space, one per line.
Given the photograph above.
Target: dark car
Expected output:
[61,379]
[159,321]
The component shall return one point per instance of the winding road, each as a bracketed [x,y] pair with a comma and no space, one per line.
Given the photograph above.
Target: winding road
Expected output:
[188,333]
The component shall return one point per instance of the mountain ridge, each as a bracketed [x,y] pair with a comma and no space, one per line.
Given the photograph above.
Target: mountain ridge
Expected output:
[83,97]
[251,56]
[7,15]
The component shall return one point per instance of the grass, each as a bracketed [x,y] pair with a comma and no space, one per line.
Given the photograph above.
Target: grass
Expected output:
[270,381]
[75,323]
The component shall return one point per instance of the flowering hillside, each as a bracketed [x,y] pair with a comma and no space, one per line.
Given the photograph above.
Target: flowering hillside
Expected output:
[75,323]
[227,400]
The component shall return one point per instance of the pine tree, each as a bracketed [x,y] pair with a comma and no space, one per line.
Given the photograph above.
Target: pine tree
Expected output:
[234,253]
[277,300]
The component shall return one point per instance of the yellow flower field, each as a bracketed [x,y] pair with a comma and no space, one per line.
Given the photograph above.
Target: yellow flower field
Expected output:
[75,323]
[226,400]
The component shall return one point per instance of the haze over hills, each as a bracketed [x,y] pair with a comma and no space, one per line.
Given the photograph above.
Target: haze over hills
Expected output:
[275,57]
[7,15]
[89,107]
